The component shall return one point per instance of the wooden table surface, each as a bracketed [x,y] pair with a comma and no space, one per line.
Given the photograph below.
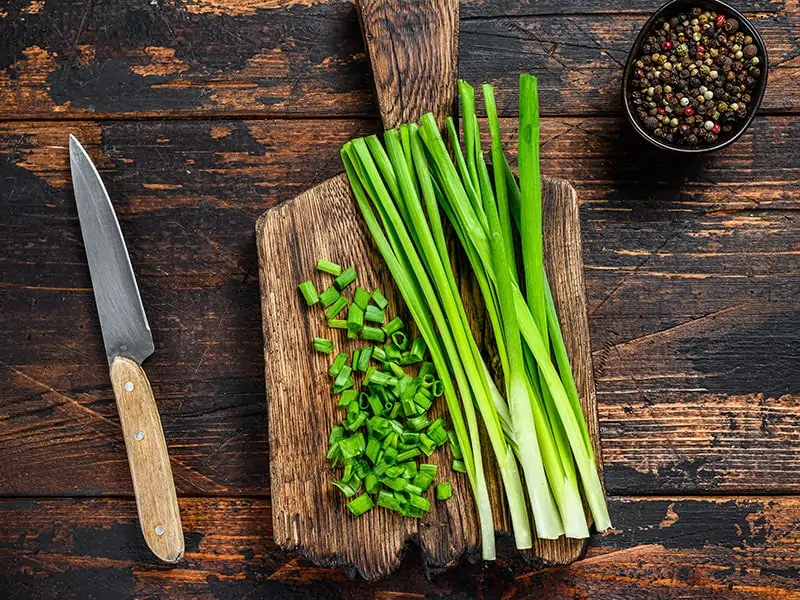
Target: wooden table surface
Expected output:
[203,113]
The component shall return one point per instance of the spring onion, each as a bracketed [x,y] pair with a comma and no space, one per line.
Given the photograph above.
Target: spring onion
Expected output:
[334,309]
[323,345]
[355,320]
[329,296]
[379,299]
[361,298]
[363,359]
[374,314]
[372,334]
[394,325]
[338,363]
[345,278]
[309,293]
[443,491]
[360,505]
[401,184]
[327,266]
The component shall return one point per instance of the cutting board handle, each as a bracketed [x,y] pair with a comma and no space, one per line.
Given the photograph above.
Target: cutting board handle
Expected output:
[413,48]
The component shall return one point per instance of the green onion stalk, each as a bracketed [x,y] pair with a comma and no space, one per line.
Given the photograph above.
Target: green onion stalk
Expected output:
[562,430]
[369,188]
[537,422]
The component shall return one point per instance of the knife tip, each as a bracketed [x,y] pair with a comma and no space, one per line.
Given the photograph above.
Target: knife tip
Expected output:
[75,148]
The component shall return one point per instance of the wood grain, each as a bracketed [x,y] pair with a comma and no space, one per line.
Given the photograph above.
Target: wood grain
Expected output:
[263,58]
[667,252]
[309,514]
[691,274]
[733,548]
[148,458]
[412,48]
[413,52]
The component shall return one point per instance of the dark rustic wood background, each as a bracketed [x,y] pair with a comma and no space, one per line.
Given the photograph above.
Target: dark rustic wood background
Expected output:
[203,113]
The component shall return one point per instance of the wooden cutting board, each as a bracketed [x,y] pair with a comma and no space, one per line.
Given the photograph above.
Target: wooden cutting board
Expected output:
[412,50]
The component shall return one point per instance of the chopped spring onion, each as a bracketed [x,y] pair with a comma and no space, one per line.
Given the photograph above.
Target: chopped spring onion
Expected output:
[400,339]
[355,321]
[309,293]
[379,299]
[390,407]
[323,345]
[372,334]
[393,326]
[346,277]
[418,348]
[363,359]
[337,364]
[347,397]
[335,308]
[361,298]
[443,491]
[374,314]
[360,505]
[327,266]
[329,296]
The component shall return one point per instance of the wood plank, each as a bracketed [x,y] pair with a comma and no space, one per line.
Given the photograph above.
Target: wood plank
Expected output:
[691,272]
[476,9]
[310,515]
[268,58]
[722,548]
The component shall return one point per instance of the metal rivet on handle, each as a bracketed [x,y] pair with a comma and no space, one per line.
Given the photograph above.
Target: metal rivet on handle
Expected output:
[128,386]
[159,530]
[138,436]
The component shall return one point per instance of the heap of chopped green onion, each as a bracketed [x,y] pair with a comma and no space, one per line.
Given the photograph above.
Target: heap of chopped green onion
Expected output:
[386,429]
[400,185]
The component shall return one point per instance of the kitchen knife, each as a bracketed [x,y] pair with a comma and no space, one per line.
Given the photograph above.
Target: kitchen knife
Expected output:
[128,341]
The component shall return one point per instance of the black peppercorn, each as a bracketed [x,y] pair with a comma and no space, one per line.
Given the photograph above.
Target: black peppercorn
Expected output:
[749,51]
[730,26]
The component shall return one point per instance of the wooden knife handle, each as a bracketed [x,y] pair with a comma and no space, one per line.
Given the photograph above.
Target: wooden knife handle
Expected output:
[153,485]
[413,48]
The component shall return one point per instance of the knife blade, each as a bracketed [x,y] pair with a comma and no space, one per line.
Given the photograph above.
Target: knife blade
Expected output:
[128,342]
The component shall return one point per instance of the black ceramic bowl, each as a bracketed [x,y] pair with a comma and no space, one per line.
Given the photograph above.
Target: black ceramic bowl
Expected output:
[667,11]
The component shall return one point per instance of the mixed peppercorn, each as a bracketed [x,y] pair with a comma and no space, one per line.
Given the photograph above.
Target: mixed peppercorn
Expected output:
[694,78]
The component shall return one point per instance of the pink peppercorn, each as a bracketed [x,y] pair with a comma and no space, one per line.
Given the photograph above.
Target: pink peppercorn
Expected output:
[688,111]
[715,129]
[719,21]
[666,45]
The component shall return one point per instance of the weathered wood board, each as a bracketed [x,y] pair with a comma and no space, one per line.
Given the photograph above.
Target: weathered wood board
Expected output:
[309,514]
[257,59]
